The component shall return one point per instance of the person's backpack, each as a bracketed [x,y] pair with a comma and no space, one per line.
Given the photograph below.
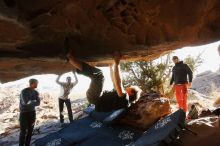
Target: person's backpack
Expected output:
[193,113]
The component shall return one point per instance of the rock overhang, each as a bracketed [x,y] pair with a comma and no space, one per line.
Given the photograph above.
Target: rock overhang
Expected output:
[36,34]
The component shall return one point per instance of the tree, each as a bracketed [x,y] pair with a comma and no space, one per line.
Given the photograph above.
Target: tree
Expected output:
[194,63]
[149,76]
[153,75]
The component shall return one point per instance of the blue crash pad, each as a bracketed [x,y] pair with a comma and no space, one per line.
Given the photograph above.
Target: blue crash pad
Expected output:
[93,131]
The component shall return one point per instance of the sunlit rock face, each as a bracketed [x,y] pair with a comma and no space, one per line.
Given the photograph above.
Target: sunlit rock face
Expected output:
[94,29]
[144,113]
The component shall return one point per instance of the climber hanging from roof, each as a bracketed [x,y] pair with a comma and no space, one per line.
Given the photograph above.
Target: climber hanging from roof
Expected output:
[111,100]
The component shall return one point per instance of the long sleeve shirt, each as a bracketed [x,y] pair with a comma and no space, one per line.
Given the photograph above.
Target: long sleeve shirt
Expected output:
[180,72]
[29,98]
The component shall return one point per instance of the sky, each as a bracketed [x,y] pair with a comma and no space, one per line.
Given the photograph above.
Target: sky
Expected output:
[47,82]
[209,54]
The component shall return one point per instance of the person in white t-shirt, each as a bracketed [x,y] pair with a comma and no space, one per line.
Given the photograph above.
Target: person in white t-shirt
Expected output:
[66,87]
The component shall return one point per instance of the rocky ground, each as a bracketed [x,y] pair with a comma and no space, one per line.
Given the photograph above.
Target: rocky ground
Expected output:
[206,97]
[47,115]
[207,126]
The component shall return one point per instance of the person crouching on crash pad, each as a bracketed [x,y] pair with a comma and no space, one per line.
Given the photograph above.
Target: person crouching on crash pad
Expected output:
[108,100]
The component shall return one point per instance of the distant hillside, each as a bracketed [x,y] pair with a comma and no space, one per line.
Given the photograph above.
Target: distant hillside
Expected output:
[207,83]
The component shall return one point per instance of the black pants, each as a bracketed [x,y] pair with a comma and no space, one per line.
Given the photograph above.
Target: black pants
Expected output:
[96,84]
[68,105]
[27,120]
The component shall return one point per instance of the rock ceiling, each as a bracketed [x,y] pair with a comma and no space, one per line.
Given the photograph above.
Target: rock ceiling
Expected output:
[36,34]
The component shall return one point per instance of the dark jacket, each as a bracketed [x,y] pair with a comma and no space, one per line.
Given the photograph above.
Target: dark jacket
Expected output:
[110,101]
[180,72]
[29,98]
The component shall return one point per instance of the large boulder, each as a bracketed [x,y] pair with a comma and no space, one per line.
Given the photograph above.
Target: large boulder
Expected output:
[146,111]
